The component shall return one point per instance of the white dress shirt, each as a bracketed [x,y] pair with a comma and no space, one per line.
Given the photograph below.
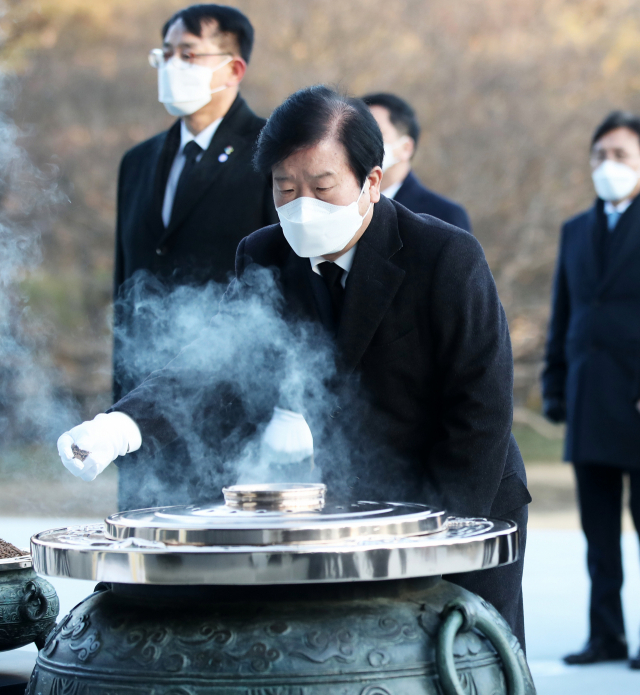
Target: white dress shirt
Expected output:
[391,191]
[204,140]
[345,262]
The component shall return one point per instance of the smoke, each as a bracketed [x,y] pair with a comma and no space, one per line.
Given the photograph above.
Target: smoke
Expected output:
[35,405]
[236,360]
[31,405]
[217,395]
[214,399]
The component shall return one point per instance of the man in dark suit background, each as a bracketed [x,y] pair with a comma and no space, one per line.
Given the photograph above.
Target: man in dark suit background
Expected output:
[187,196]
[401,132]
[592,372]
[425,368]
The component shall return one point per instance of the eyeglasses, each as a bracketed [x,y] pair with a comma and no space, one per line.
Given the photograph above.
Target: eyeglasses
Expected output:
[159,56]
[620,156]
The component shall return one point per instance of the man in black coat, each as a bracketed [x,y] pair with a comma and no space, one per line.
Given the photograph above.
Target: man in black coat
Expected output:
[186,198]
[423,389]
[401,132]
[592,372]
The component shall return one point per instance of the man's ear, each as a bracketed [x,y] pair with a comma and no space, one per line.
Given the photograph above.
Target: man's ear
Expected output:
[238,69]
[375,177]
[408,148]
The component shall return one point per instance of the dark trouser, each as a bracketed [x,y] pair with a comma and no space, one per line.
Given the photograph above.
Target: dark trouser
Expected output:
[502,586]
[600,499]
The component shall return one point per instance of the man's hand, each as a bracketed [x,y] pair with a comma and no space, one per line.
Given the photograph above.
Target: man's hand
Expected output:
[287,438]
[86,450]
[555,409]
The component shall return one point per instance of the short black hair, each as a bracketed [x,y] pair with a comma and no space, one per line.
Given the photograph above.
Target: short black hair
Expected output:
[401,113]
[617,119]
[230,21]
[314,114]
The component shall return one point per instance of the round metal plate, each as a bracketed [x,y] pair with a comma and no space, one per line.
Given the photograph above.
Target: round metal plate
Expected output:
[84,552]
[223,525]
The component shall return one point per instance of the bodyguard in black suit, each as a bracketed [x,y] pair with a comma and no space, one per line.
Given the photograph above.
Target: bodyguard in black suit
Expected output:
[225,200]
[401,132]
[592,371]
[186,198]
[421,339]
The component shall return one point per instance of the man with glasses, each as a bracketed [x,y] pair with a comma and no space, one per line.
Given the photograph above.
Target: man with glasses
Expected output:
[187,196]
[592,373]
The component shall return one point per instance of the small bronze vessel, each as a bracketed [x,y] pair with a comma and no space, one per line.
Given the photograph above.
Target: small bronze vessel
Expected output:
[29,604]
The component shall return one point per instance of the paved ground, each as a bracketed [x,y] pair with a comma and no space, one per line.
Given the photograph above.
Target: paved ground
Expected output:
[555,588]
[556,595]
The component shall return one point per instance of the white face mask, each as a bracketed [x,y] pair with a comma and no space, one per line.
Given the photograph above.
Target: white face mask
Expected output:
[315,228]
[184,88]
[390,158]
[614,181]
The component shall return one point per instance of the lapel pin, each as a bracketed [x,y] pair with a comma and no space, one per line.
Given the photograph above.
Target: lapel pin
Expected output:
[225,155]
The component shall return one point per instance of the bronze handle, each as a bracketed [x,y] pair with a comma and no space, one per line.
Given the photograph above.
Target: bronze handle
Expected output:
[459,615]
[33,595]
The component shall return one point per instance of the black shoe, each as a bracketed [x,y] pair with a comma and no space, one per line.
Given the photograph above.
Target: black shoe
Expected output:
[634,663]
[599,650]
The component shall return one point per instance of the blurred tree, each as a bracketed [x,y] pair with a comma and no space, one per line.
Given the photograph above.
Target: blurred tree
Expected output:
[508,93]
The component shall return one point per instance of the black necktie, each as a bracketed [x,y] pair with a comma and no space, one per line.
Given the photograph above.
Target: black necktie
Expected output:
[191,152]
[332,275]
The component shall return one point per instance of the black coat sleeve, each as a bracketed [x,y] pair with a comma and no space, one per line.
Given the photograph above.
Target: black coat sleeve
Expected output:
[191,397]
[474,360]
[200,390]
[555,370]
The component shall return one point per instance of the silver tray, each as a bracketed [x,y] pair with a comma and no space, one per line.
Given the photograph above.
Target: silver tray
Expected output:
[463,545]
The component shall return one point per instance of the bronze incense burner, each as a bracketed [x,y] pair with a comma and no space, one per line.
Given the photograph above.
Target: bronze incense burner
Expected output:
[279,592]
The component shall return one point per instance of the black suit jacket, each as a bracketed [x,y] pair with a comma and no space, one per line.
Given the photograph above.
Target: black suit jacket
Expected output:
[593,347]
[424,331]
[419,199]
[226,201]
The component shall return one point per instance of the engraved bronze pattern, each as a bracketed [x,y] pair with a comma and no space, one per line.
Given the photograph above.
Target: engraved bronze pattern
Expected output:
[115,643]
[28,608]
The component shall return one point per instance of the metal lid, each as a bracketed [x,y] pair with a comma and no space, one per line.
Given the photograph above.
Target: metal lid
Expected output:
[274,515]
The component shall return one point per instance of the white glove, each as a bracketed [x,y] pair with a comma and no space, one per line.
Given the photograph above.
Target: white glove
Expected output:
[102,439]
[287,438]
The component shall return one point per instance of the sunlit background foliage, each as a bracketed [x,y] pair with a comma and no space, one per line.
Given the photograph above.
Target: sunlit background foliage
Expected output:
[507,92]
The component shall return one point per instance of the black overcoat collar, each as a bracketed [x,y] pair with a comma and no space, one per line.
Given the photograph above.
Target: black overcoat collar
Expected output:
[625,242]
[372,283]
[230,133]
[408,189]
